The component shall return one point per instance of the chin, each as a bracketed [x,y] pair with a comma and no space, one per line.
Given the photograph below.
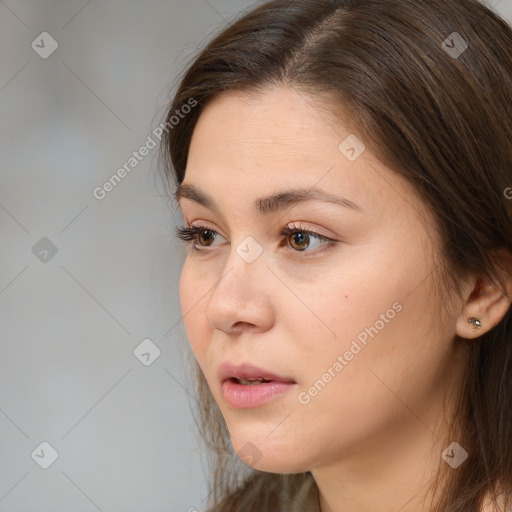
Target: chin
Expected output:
[261,452]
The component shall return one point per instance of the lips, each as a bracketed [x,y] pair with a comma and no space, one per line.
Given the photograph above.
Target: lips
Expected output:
[249,375]
[246,387]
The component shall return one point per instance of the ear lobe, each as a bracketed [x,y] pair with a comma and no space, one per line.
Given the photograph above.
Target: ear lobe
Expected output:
[486,305]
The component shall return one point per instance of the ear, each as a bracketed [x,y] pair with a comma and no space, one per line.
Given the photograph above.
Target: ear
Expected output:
[486,302]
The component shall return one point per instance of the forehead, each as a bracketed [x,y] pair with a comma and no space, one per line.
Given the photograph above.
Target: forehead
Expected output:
[264,139]
[250,146]
[278,123]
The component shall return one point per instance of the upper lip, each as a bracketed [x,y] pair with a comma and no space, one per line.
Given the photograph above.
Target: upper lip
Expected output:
[229,370]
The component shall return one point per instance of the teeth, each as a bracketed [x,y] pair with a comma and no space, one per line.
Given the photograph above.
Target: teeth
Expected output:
[251,382]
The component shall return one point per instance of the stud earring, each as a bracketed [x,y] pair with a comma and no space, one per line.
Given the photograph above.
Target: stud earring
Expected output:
[475,322]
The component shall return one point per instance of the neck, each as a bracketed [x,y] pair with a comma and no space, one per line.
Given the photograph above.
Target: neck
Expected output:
[398,468]
[394,475]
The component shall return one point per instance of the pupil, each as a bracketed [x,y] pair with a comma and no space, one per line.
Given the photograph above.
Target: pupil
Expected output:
[302,239]
[205,231]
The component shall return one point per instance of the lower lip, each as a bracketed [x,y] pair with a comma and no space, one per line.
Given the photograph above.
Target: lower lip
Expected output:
[243,396]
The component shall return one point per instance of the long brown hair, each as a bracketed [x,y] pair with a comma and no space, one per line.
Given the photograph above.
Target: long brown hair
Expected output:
[428,87]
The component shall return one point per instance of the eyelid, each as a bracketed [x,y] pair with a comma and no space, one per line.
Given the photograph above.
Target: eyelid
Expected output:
[294,225]
[316,230]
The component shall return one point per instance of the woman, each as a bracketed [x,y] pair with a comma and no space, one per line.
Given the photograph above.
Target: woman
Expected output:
[344,172]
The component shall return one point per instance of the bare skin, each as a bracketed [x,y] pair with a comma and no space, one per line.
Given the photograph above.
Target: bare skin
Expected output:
[372,435]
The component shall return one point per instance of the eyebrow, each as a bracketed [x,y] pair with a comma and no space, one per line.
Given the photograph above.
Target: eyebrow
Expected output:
[272,203]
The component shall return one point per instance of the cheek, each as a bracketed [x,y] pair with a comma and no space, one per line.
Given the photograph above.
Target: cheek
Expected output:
[344,307]
[193,304]
[386,344]
[374,317]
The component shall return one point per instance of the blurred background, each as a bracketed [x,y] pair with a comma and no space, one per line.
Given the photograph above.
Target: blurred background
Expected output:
[95,410]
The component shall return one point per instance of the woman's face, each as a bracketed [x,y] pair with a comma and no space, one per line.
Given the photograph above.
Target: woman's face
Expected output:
[350,333]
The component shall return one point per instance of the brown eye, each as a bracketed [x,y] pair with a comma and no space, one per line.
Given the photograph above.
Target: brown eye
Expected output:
[297,238]
[206,234]
[300,240]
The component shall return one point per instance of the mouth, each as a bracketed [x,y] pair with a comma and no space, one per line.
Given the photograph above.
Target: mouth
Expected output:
[249,375]
[246,386]
[249,382]
[258,381]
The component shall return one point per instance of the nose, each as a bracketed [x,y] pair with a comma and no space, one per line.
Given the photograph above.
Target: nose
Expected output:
[241,299]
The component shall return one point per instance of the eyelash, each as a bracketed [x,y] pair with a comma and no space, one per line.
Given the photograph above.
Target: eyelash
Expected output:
[188,234]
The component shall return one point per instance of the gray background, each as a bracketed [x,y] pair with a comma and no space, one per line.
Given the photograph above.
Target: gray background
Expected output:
[71,321]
